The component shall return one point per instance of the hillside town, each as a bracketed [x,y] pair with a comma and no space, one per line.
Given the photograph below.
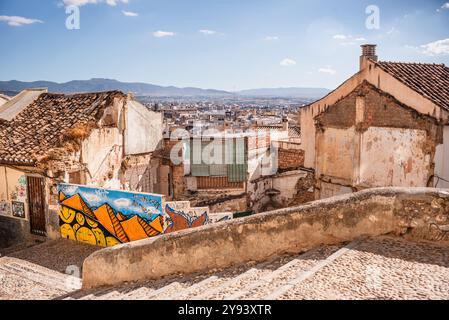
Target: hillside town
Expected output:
[230,158]
[102,169]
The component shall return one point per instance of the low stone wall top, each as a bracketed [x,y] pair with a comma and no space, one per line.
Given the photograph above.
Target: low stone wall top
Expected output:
[413,213]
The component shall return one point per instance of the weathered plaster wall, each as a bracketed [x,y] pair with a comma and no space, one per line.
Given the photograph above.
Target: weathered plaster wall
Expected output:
[380,79]
[337,150]
[329,190]
[394,157]
[14,225]
[411,213]
[442,161]
[143,129]
[13,193]
[369,139]
[102,154]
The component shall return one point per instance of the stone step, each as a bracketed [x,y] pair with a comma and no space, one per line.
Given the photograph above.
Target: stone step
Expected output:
[138,294]
[46,277]
[164,292]
[191,291]
[270,281]
[303,275]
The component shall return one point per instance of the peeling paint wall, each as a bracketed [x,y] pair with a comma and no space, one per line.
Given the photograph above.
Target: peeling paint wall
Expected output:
[442,161]
[376,77]
[336,152]
[394,157]
[143,129]
[369,139]
[102,154]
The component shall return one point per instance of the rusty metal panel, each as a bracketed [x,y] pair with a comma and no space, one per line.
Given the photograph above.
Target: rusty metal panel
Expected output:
[205,183]
[36,201]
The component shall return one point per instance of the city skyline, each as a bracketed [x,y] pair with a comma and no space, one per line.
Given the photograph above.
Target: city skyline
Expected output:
[221,45]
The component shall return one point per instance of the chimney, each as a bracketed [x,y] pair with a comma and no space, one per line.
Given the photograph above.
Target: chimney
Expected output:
[368,53]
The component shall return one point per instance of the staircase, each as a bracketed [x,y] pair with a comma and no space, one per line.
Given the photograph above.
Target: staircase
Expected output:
[20,279]
[253,281]
[373,268]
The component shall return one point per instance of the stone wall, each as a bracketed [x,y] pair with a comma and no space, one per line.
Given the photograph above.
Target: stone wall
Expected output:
[412,213]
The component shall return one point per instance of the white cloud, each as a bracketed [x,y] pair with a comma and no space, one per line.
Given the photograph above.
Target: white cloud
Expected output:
[347,40]
[287,62]
[444,7]
[340,37]
[271,38]
[440,47]
[162,34]
[15,21]
[327,70]
[80,3]
[122,203]
[129,13]
[207,32]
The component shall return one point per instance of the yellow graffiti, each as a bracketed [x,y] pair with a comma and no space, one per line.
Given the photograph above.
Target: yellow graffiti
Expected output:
[110,242]
[67,215]
[86,235]
[80,219]
[92,223]
[101,240]
[67,232]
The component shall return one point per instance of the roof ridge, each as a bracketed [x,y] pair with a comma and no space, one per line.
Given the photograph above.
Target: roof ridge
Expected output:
[412,63]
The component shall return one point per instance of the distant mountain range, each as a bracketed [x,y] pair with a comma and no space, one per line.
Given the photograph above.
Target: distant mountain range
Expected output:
[145,89]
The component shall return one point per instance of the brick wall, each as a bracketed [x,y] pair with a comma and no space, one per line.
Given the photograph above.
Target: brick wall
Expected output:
[290,159]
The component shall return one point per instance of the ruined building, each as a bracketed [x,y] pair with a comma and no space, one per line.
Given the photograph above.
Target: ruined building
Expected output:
[388,125]
[94,139]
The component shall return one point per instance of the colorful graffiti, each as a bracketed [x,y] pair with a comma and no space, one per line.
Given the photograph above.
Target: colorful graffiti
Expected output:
[107,217]
[18,209]
[5,208]
[180,220]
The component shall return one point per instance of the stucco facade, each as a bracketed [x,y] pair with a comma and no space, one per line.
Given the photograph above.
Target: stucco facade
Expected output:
[374,131]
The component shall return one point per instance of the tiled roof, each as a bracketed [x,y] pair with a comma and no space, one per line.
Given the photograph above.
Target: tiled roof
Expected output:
[430,80]
[40,127]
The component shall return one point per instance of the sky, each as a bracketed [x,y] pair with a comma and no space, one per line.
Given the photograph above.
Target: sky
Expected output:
[221,44]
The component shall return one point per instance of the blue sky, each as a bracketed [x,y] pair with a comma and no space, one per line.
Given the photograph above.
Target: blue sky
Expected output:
[221,44]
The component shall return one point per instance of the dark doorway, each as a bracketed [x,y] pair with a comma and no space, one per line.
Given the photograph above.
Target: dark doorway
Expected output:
[36,201]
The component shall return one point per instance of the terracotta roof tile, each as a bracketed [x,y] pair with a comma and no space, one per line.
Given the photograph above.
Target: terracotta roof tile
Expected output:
[430,80]
[40,127]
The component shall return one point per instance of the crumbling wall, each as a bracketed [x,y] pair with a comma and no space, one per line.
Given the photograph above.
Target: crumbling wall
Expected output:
[369,139]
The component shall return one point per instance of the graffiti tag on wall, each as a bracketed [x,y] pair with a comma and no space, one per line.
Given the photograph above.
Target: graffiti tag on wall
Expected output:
[18,209]
[5,208]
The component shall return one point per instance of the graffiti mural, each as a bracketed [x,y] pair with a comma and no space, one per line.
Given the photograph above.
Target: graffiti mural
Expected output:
[107,217]
[19,193]
[179,220]
[5,208]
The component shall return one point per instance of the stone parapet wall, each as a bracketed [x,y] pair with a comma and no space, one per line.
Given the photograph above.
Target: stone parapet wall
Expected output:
[416,214]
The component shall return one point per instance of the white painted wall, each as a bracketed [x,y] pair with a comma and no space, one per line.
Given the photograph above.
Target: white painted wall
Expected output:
[442,160]
[143,129]
[101,153]
[393,157]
